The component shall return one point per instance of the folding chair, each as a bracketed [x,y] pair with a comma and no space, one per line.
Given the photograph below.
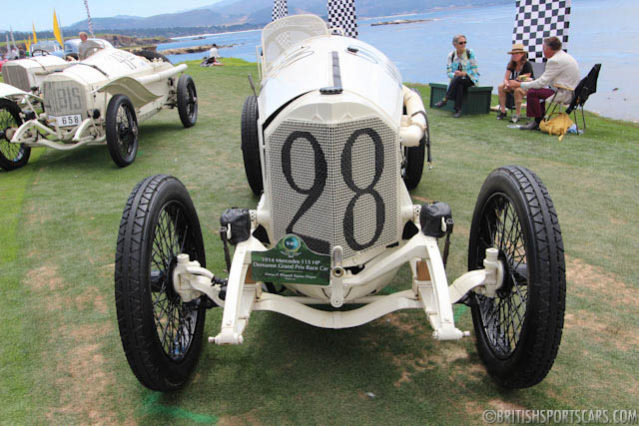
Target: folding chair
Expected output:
[578,97]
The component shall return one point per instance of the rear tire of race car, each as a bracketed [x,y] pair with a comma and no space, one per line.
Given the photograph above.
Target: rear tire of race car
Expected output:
[187,100]
[413,161]
[250,145]
[161,335]
[121,130]
[413,165]
[12,156]
[518,332]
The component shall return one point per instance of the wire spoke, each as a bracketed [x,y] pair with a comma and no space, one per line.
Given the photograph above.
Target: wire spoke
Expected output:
[10,151]
[503,316]
[174,321]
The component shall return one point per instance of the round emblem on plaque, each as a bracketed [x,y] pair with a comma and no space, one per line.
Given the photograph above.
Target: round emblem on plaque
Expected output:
[292,244]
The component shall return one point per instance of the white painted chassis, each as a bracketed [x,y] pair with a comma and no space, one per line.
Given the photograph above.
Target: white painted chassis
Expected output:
[429,291]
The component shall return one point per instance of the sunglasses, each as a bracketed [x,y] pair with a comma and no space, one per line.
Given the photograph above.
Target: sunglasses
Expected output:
[461,42]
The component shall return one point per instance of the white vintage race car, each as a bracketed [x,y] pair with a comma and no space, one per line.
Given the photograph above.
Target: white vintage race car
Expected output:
[331,143]
[46,101]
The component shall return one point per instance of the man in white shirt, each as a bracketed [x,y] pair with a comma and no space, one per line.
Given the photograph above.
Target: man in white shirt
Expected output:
[562,70]
[213,53]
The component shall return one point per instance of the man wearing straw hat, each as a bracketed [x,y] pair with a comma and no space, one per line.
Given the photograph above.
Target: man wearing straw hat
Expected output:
[517,69]
[562,70]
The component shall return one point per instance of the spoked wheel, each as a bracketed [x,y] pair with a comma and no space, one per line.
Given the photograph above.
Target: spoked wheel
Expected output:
[251,145]
[161,335]
[518,331]
[121,130]
[12,156]
[187,100]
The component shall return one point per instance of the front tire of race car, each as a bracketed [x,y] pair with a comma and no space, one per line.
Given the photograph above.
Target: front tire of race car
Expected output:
[161,335]
[187,100]
[519,330]
[12,156]
[121,130]
[250,145]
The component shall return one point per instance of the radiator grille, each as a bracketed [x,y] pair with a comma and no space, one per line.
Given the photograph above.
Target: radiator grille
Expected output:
[16,76]
[63,98]
[335,184]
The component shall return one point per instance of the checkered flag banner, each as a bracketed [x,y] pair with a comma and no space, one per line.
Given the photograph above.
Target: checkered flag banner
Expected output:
[539,19]
[341,14]
[280,9]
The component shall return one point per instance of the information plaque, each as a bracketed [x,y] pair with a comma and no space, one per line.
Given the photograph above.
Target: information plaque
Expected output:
[291,261]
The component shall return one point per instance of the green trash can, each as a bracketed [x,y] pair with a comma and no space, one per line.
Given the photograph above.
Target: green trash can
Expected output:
[476,99]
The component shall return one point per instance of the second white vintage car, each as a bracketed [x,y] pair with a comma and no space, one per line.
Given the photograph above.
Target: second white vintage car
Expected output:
[97,101]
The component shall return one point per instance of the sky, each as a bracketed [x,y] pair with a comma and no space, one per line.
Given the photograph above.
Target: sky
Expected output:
[71,11]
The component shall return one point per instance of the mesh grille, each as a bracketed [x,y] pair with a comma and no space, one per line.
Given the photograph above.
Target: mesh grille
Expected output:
[335,184]
[16,76]
[63,98]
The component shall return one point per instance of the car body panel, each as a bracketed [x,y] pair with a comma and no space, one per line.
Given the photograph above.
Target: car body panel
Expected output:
[131,88]
[7,90]
[359,66]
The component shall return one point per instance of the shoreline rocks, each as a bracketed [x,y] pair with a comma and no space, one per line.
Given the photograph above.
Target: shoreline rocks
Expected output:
[401,21]
[192,49]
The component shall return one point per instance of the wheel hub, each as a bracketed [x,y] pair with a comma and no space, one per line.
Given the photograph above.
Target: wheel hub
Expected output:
[171,294]
[507,281]
[7,133]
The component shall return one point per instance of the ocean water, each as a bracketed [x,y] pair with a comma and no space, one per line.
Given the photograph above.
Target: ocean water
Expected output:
[603,32]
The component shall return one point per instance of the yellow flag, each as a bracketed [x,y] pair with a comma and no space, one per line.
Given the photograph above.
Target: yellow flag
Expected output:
[28,43]
[35,37]
[56,30]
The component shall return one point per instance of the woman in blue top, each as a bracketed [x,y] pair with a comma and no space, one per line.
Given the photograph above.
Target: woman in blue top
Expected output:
[461,68]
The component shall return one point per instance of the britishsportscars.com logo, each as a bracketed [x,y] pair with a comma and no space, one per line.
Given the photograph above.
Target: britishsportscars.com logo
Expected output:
[626,417]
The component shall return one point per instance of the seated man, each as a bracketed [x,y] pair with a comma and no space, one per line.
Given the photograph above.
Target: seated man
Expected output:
[562,70]
[214,53]
[213,57]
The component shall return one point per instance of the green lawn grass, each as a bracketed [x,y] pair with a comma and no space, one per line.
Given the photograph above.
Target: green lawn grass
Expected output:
[61,359]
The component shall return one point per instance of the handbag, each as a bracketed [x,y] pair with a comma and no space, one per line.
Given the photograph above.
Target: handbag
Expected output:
[558,124]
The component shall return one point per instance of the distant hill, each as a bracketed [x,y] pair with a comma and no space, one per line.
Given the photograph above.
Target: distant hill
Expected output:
[191,18]
[251,13]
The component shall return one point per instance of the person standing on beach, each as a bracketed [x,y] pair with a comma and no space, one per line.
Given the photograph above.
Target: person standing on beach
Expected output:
[461,68]
[562,71]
